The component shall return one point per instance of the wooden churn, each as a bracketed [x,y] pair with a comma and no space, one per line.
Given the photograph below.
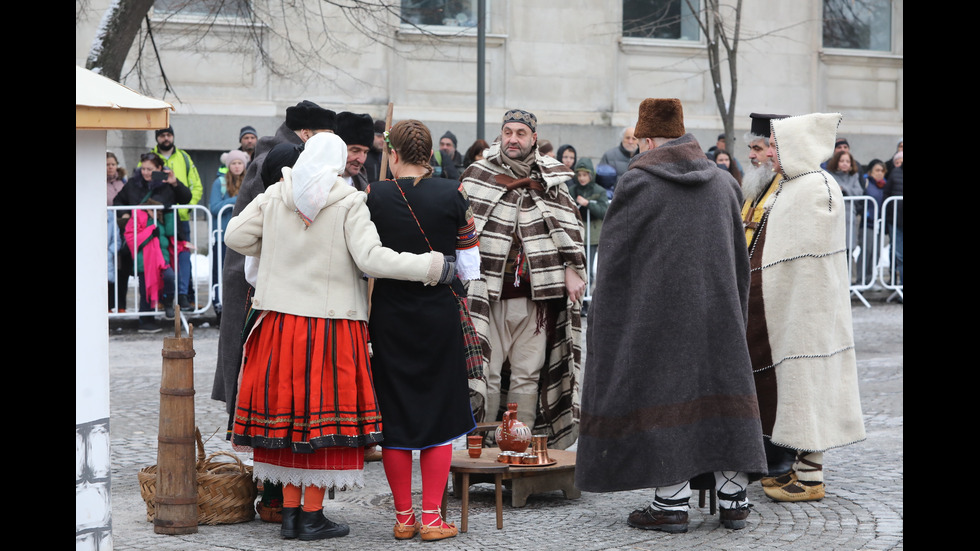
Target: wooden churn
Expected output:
[176,489]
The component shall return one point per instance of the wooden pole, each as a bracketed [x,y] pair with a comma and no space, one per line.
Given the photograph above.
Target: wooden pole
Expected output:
[381,176]
[176,490]
[384,154]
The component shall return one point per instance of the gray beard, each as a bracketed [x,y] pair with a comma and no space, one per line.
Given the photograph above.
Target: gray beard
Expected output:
[755,180]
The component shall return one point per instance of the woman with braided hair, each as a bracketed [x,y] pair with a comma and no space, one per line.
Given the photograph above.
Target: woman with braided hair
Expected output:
[306,405]
[419,363]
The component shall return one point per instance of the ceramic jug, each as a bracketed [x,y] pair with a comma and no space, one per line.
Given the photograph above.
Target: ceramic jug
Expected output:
[512,435]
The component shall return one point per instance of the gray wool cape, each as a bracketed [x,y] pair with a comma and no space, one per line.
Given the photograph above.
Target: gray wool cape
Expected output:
[235,290]
[668,392]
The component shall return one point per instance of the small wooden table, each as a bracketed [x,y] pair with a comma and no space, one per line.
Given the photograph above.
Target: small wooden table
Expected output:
[524,480]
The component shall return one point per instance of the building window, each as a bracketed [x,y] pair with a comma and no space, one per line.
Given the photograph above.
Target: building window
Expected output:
[449,13]
[204,8]
[858,24]
[670,19]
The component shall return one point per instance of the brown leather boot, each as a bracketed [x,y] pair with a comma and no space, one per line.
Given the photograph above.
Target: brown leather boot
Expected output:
[673,522]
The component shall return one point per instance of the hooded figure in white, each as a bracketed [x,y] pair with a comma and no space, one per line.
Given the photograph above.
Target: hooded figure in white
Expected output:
[799,332]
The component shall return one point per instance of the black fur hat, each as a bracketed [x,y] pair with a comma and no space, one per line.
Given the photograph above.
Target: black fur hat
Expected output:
[307,114]
[356,128]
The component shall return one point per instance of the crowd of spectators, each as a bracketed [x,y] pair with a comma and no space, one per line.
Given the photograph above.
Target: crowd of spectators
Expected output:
[168,176]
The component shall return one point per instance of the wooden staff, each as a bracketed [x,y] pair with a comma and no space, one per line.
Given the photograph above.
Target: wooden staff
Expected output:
[381,176]
[384,154]
[176,495]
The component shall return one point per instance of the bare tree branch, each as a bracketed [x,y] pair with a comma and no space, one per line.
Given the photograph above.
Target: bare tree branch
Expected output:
[293,40]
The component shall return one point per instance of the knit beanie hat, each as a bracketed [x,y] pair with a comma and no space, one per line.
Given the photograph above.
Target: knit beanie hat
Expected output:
[660,118]
[169,129]
[356,129]
[451,136]
[246,130]
[235,155]
[307,114]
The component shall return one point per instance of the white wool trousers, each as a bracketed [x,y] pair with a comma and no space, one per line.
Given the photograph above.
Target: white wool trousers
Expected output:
[514,336]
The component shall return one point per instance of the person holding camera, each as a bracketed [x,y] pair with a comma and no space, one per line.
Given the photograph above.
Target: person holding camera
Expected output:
[152,236]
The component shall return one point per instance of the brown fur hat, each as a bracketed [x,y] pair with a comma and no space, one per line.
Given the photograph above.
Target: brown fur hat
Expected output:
[660,118]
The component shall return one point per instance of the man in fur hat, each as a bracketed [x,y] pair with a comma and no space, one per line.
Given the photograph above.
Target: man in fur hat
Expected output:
[526,306]
[357,131]
[303,121]
[668,394]
[799,331]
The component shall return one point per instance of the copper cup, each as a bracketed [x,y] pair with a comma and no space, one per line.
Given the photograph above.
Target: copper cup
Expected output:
[539,443]
[474,444]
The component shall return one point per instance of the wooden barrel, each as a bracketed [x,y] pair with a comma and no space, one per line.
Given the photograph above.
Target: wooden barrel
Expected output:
[176,490]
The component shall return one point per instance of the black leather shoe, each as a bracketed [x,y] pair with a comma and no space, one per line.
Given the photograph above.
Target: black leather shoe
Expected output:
[674,522]
[779,459]
[734,519]
[290,520]
[314,526]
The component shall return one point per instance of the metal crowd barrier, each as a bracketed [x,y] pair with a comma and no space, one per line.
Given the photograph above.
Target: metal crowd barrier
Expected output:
[893,278]
[867,268]
[202,288]
[218,236]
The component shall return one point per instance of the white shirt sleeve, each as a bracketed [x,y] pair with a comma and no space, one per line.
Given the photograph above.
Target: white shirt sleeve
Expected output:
[252,270]
[468,263]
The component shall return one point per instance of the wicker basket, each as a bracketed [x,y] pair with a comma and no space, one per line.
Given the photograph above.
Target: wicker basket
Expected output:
[225,490]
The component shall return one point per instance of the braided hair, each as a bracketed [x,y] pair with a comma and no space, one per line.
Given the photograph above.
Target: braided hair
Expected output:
[413,142]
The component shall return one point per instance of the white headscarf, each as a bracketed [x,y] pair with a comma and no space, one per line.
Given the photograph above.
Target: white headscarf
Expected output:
[317,169]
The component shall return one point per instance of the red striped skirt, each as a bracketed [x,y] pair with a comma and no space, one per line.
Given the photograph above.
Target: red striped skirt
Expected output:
[306,385]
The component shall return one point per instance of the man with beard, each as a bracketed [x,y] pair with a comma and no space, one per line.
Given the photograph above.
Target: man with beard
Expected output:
[357,131]
[247,138]
[447,148]
[526,306]
[668,395]
[619,156]
[799,330]
[759,181]
[183,168]
[303,121]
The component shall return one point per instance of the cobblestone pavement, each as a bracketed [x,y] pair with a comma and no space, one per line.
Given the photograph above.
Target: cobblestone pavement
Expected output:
[862,510]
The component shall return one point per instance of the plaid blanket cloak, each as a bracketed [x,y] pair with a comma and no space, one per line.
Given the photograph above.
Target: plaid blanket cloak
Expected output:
[551,229]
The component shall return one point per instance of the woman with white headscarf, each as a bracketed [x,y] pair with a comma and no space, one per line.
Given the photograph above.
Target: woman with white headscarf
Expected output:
[306,401]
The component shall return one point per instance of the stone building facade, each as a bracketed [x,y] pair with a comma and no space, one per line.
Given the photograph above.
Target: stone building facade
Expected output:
[571,63]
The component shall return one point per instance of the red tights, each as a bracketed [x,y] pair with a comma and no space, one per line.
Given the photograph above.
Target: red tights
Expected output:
[314,497]
[434,463]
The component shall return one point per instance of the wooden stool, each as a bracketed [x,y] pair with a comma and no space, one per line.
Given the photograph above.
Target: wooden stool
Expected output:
[497,470]
[714,499]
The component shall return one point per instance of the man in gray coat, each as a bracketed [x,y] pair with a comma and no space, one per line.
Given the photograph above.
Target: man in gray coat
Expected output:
[619,156]
[668,394]
[303,121]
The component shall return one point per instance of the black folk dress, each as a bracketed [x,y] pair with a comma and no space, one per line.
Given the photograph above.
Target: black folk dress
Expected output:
[419,365]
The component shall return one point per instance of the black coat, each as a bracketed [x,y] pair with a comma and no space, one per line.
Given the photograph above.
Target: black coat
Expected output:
[137,192]
[235,290]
